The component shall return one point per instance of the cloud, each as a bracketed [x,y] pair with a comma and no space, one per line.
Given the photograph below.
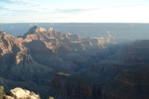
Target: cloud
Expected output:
[135,5]
[21,2]
[6,8]
[18,6]
[74,10]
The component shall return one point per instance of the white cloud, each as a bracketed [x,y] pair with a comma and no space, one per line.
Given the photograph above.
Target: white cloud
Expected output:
[74,10]
[21,2]
[22,10]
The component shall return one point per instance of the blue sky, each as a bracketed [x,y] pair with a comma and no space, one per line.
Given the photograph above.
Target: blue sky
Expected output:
[16,11]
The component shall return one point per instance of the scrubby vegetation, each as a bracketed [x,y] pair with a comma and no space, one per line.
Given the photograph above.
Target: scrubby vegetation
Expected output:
[2,93]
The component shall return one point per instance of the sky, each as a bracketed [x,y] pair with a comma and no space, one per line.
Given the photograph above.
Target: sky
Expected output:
[86,11]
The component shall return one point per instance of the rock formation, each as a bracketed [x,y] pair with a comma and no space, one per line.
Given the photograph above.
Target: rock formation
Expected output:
[19,93]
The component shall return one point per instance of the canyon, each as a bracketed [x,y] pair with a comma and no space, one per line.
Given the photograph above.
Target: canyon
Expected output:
[66,66]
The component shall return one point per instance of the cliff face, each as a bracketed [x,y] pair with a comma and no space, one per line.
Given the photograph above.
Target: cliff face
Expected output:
[138,52]
[11,52]
[128,85]
[133,83]
[16,61]
[66,87]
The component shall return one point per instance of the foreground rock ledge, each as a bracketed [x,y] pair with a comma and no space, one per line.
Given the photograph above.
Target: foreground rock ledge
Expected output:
[19,93]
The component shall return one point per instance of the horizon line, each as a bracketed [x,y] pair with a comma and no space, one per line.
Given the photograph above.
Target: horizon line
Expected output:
[77,22]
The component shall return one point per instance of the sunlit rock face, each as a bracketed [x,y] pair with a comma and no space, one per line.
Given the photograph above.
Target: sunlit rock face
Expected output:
[11,48]
[16,60]
[19,93]
[53,38]
[6,42]
[74,37]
